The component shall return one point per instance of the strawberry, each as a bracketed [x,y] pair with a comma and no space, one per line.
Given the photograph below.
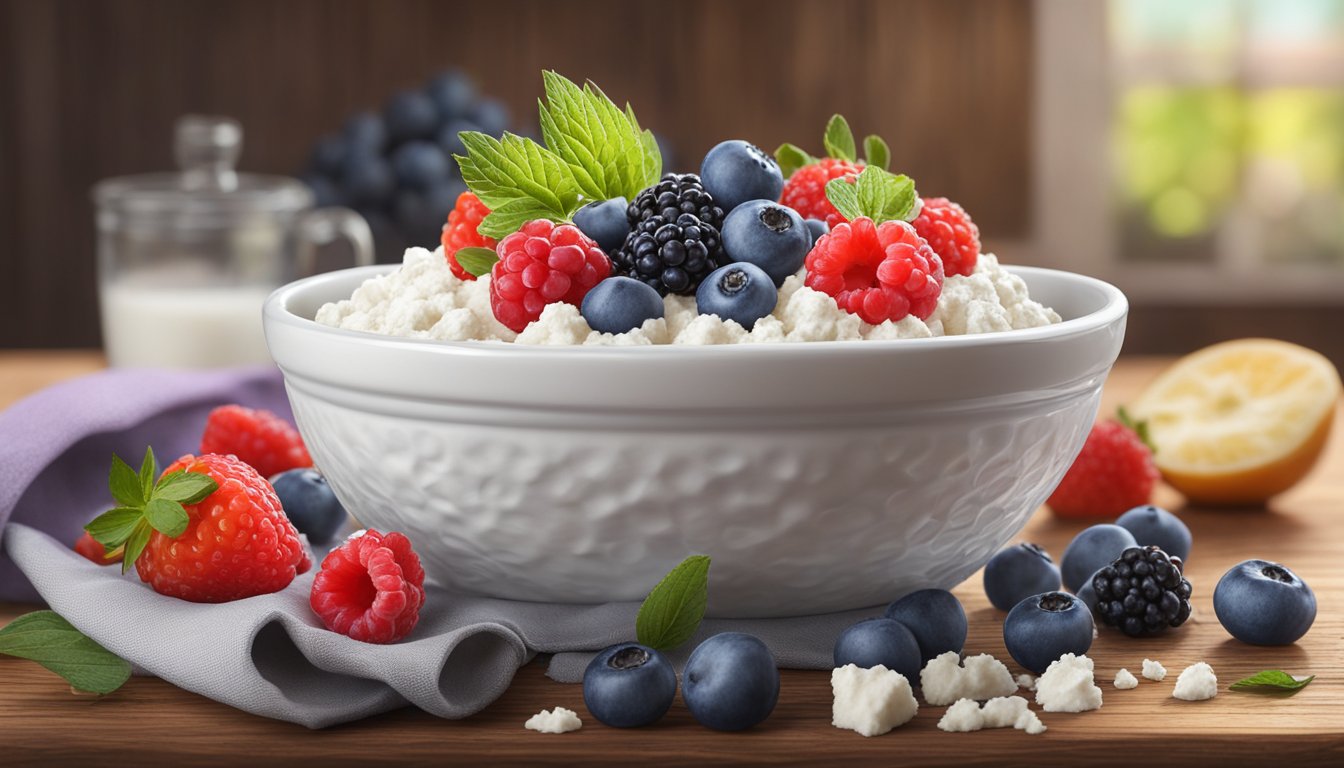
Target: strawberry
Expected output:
[89,548]
[260,438]
[210,530]
[1112,474]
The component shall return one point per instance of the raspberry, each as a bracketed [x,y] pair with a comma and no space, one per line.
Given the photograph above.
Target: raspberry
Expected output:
[91,550]
[805,191]
[238,542]
[950,233]
[876,272]
[259,438]
[460,231]
[540,264]
[1113,473]
[370,588]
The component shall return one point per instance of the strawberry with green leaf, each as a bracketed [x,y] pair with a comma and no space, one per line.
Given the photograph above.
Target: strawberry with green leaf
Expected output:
[807,176]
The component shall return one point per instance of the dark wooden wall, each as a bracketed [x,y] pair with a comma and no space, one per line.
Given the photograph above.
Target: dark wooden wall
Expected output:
[90,88]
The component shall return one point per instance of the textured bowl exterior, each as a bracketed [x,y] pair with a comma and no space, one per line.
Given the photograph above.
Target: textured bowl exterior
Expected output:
[582,476]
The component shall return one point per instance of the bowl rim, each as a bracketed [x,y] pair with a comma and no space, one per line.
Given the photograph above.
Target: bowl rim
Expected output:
[277,310]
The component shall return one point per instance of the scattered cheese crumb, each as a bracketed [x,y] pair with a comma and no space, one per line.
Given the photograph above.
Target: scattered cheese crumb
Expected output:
[944,679]
[1124,680]
[962,717]
[1030,722]
[999,712]
[1026,682]
[1067,686]
[1196,683]
[558,720]
[1153,670]
[870,701]
[1003,711]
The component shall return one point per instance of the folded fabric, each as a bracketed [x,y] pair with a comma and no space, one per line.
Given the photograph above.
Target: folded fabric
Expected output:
[270,655]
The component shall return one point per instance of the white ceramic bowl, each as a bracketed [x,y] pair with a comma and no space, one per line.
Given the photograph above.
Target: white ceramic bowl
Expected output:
[819,476]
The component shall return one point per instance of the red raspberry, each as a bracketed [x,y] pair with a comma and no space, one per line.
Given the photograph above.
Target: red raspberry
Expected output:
[370,588]
[460,231]
[259,438]
[805,191]
[876,272]
[238,542]
[93,551]
[951,234]
[540,264]
[1113,473]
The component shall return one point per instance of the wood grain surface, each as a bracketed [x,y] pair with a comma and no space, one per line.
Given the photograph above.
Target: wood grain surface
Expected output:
[151,722]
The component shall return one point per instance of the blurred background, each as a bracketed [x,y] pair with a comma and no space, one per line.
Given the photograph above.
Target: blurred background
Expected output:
[1191,152]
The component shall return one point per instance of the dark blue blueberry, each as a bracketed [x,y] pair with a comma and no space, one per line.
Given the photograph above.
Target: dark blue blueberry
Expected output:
[880,641]
[449,140]
[742,292]
[620,304]
[367,180]
[1088,595]
[366,133]
[816,228]
[731,682]
[629,685]
[1264,603]
[328,155]
[736,171]
[1018,572]
[1091,550]
[491,115]
[769,235]
[419,164]
[1158,527]
[310,504]
[936,619]
[1044,627]
[324,190]
[605,222]
[410,115]
[453,93]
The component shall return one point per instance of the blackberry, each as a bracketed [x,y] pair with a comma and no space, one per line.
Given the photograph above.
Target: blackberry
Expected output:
[674,240]
[1142,592]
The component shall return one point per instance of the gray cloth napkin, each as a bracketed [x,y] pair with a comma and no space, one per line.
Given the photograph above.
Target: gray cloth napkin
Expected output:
[270,655]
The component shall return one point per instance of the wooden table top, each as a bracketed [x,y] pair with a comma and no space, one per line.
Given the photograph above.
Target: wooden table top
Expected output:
[149,721]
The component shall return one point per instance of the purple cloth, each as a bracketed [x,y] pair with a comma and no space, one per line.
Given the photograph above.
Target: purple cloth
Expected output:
[56,446]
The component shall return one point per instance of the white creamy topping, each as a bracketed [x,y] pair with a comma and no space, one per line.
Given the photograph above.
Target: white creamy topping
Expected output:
[1196,683]
[870,701]
[558,720]
[1067,686]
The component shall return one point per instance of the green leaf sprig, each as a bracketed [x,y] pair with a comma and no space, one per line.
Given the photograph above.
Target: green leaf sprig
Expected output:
[1140,427]
[839,143]
[594,151]
[876,194]
[1271,681]
[672,612]
[48,639]
[476,261]
[146,506]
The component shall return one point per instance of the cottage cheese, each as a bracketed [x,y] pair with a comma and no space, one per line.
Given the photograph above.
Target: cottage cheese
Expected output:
[944,680]
[1067,686]
[1000,712]
[1153,670]
[1196,683]
[424,299]
[1125,680]
[558,720]
[870,701]
[1026,682]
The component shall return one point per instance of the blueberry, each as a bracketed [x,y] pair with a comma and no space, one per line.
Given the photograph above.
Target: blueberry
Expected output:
[730,682]
[1091,550]
[769,235]
[310,504]
[936,619]
[324,190]
[879,641]
[419,164]
[629,685]
[1018,572]
[1156,526]
[328,154]
[1264,603]
[1088,595]
[816,228]
[741,292]
[410,115]
[367,180]
[450,141]
[491,115]
[605,221]
[737,171]
[366,133]
[453,93]
[620,304]
[1044,627]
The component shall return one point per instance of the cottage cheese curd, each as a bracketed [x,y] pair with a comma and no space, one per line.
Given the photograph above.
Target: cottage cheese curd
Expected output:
[1067,686]
[1196,683]
[558,720]
[423,299]
[870,701]
[944,680]
[1000,712]
[1153,670]
[1125,680]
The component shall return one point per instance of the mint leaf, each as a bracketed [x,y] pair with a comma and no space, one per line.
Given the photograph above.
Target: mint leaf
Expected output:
[839,139]
[875,194]
[49,640]
[135,544]
[185,487]
[149,469]
[672,612]
[1271,681]
[601,143]
[876,152]
[652,167]
[791,158]
[167,517]
[843,194]
[476,261]
[502,171]
[509,217]
[125,484]
[113,527]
